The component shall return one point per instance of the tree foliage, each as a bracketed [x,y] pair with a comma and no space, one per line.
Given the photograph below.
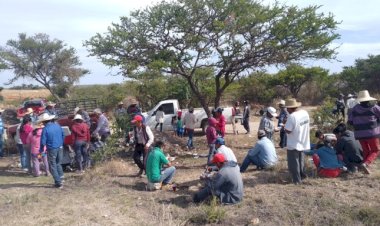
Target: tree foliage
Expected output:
[295,76]
[228,38]
[365,74]
[49,62]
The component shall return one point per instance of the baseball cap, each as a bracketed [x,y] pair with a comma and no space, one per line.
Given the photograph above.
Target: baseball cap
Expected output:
[219,140]
[137,118]
[272,111]
[219,157]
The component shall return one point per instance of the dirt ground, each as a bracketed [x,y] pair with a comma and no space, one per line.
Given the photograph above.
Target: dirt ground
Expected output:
[111,194]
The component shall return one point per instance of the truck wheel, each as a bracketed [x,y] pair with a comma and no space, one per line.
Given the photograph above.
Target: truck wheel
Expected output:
[204,126]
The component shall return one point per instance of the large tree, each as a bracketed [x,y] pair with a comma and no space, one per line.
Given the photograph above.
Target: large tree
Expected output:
[295,76]
[49,62]
[230,38]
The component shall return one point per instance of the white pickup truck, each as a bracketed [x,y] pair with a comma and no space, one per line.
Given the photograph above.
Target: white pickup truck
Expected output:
[171,107]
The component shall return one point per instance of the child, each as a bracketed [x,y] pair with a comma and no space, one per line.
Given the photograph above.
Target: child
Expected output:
[211,136]
[174,124]
[180,129]
[34,138]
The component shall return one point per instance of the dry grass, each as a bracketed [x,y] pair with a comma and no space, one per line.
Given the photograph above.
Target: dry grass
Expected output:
[11,95]
[110,194]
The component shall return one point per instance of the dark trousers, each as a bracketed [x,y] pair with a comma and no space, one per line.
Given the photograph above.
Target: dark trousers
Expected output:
[158,123]
[139,151]
[282,138]
[246,124]
[81,154]
[296,166]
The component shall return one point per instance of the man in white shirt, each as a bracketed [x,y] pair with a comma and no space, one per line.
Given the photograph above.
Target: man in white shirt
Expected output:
[226,151]
[298,138]
[351,102]
[189,121]
[143,140]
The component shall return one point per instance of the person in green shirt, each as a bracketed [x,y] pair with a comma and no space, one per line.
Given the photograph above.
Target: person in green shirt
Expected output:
[158,167]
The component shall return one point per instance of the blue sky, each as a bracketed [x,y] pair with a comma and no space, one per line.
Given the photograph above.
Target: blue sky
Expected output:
[74,21]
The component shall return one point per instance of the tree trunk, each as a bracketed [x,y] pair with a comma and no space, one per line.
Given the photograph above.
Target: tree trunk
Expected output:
[200,97]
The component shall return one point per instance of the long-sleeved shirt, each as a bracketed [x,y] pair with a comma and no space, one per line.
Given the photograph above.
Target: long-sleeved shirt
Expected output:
[144,136]
[160,116]
[246,112]
[328,157]
[52,136]
[264,149]
[103,125]
[86,118]
[267,125]
[17,136]
[221,125]
[189,120]
[282,116]
[80,131]
[24,134]
[35,142]
[227,184]
[366,121]
[349,147]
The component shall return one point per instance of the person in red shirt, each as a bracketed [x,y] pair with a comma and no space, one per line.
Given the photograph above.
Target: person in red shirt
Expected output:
[81,135]
[221,125]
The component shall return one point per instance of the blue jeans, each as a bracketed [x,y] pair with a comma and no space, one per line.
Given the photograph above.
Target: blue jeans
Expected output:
[20,148]
[251,159]
[54,158]
[81,155]
[211,153]
[190,133]
[1,146]
[28,158]
[167,175]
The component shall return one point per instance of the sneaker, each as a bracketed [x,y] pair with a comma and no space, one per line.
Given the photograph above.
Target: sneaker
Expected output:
[59,186]
[25,169]
[365,169]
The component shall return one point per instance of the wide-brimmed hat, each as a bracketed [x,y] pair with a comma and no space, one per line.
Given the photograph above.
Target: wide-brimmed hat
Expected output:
[121,103]
[350,95]
[78,117]
[49,103]
[292,103]
[38,125]
[45,117]
[364,96]
[281,103]
[272,111]
[98,111]
[29,111]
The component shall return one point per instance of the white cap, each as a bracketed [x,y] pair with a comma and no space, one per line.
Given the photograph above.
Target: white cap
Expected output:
[272,111]
[78,116]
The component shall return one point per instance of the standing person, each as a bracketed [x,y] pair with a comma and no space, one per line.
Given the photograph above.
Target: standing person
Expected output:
[226,185]
[158,167]
[25,129]
[120,110]
[189,122]
[351,102]
[267,123]
[281,122]
[143,140]
[221,125]
[160,114]
[102,128]
[86,118]
[340,106]
[21,150]
[348,147]
[235,112]
[81,134]
[365,117]
[34,139]
[180,129]
[246,114]
[211,136]
[263,154]
[298,135]
[1,134]
[174,125]
[31,114]
[50,108]
[52,138]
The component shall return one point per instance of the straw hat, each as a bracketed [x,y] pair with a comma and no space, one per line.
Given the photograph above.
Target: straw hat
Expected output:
[364,96]
[281,103]
[121,103]
[45,117]
[98,111]
[29,111]
[78,116]
[292,103]
[38,125]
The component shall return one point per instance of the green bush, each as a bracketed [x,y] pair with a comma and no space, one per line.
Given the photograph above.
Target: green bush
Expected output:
[323,117]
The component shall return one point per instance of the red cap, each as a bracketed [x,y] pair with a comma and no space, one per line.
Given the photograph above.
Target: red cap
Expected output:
[219,157]
[137,118]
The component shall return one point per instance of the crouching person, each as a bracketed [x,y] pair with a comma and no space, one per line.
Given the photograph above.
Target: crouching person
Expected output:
[159,170]
[226,184]
[263,154]
[326,160]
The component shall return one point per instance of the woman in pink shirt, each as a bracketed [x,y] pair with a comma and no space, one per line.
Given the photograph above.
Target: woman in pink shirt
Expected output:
[34,139]
[221,125]
[25,129]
